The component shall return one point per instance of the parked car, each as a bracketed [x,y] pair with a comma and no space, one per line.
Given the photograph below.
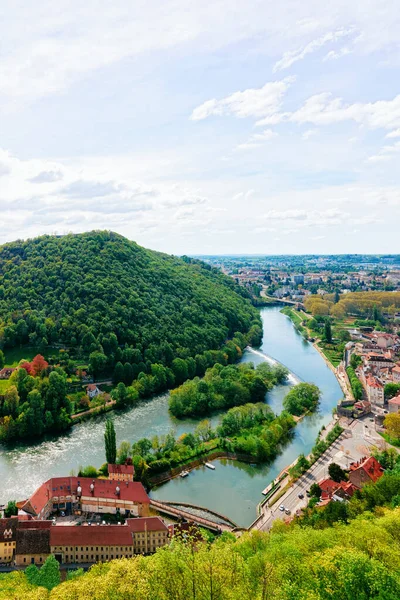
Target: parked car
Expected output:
[282,508]
[287,511]
[301,496]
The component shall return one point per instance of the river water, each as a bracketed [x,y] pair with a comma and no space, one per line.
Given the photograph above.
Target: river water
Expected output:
[234,489]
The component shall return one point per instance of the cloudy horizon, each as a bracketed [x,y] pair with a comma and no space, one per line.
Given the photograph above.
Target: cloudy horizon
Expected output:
[214,128]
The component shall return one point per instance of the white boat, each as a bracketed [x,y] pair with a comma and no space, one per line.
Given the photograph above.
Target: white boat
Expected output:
[210,466]
[184,473]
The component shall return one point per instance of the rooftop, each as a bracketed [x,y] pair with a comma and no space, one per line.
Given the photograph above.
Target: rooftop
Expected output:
[131,491]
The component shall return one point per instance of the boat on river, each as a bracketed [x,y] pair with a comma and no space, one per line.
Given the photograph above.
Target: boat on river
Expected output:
[210,466]
[184,473]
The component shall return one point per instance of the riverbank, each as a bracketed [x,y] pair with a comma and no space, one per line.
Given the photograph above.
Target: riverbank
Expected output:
[234,488]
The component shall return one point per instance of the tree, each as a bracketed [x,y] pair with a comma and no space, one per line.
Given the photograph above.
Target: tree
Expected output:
[355,360]
[49,575]
[110,442]
[11,509]
[203,430]
[302,397]
[128,373]
[124,452]
[2,359]
[315,490]
[392,425]
[328,332]
[336,472]
[11,401]
[121,394]
[118,374]
[336,296]
[38,365]
[97,363]
[344,335]
[180,370]
[391,390]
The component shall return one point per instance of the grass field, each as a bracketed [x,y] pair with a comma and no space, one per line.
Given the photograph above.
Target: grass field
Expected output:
[14,355]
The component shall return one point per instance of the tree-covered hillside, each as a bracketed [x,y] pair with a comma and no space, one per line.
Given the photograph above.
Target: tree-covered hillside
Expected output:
[99,290]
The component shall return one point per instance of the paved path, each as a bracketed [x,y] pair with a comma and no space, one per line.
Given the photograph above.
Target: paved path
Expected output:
[355,442]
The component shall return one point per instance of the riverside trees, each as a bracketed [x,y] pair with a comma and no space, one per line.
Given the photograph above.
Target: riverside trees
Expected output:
[33,405]
[302,397]
[225,387]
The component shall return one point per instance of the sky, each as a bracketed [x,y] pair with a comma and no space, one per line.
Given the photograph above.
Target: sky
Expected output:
[255,127]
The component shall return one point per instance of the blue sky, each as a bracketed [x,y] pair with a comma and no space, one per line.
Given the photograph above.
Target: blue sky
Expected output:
[203,127]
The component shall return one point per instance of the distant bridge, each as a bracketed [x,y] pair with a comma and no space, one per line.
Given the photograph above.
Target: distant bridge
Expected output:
[289,302]
[170,509]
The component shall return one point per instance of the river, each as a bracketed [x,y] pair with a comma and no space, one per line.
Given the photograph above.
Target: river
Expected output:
[233,488]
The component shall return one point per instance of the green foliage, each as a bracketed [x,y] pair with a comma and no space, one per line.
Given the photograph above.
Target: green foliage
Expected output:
[110,442]
[355,383]
[302,398]
[225,387]
[35,404]
[115,292]
[48,576]
[391,389]
[355,360]
[88,471]
[328,332]
[336,472]
[355,561]
[11,509]
[315,490]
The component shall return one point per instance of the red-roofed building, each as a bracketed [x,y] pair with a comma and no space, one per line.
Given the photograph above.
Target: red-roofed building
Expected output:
[375,390]
[92,390]
[396,373]
[82,494]
[327,487]
[121,472]
[31,542]
[394,404]
[7,372]
[366,470]
[332,490]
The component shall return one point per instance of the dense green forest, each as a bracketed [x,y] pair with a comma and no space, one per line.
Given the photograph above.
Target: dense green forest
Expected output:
[147,320]
[97,291]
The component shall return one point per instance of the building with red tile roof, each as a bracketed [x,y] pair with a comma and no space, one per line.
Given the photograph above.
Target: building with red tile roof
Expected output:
[82,494]
[394,404]
[32,542]
[333,490]
[121,472]
[366,470]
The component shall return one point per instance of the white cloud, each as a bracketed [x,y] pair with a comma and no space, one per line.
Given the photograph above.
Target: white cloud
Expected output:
[334,55]
[289,58]
[258,102]
[258,139]
[47,177]
[309,133]
[393,134]
[386,153]
[322,109]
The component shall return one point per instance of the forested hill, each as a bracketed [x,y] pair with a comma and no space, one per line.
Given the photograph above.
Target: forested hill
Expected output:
[97,291]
